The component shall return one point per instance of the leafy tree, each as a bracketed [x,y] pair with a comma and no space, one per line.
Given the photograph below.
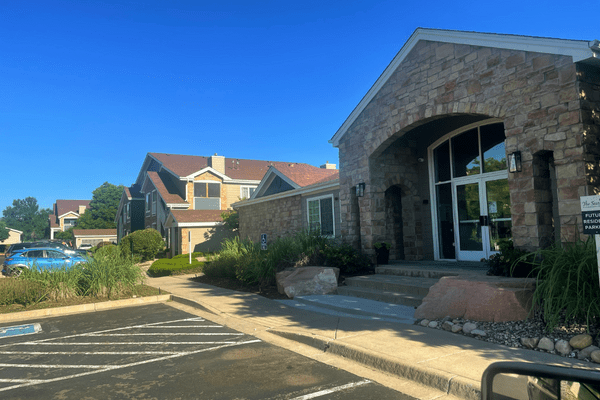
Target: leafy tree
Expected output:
[145,243]
[103,208]
[66,235]
[231,220]
[3,231]
[25,215]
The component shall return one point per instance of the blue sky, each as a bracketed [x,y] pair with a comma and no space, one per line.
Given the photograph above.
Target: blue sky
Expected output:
[87,88]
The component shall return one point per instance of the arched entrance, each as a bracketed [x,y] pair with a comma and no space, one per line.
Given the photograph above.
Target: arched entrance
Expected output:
[470,197]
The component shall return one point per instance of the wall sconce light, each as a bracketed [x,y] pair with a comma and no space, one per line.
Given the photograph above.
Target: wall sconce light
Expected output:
[360,189]
[514,162]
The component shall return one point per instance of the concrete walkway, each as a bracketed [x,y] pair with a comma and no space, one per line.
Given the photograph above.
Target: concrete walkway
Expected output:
[449,363]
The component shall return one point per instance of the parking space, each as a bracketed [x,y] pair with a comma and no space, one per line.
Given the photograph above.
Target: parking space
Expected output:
[160,352]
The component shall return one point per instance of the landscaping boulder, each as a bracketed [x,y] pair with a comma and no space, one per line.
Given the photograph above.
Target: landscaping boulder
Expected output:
[302,281]
[478,298]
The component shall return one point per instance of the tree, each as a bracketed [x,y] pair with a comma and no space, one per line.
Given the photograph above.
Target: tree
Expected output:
[3,231]
[103,208]
[25,215]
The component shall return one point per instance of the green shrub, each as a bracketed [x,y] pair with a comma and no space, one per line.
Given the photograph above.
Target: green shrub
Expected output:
[509,261]
[109,274]
[346,258]
[567,283]
[147,244]
[165,266]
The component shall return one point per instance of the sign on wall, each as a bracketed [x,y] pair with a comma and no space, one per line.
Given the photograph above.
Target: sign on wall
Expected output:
[590,214]
[263,241]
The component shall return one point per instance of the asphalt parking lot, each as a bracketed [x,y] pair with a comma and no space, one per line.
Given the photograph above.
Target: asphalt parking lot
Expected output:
[158,352]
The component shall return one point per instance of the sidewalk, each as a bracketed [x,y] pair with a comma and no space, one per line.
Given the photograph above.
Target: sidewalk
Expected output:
[450,363]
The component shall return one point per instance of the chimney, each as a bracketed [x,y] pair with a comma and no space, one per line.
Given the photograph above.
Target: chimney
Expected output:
[327,165]
[82,209]
[217,163]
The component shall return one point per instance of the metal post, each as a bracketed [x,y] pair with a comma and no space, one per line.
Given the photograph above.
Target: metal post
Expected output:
[190,244]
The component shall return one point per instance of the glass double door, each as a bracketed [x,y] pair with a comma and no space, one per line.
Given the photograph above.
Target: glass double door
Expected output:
[481,216]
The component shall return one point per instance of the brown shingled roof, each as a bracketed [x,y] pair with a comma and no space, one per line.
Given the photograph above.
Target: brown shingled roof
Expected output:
[65,206]
[305,175]
[168,197]
[183,216]
[94,232]
[235,168]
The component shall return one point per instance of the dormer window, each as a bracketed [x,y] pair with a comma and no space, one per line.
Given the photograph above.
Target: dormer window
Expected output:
[207,196]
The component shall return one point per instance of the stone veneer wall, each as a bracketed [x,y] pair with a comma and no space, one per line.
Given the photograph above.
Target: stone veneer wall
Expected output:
[589,87]
[535,96]
[276,218]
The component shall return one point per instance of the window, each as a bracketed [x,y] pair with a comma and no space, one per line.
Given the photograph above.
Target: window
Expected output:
[320,215]
[154,196]
[148,202]
[207,196]
[69,222]
[246,191]
[128,211]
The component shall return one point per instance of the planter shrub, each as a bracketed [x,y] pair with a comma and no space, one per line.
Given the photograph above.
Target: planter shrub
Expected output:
[170,266]
[147,244]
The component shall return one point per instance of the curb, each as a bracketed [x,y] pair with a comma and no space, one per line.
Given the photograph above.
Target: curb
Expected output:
[83,308]
[453,385]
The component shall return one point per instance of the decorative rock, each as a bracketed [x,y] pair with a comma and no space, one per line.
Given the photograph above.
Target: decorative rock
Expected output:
[530,343]
[446,318]
[447,325]
[468,327]
[478,298]
[595,355]
[307,280]
[457,328]
[433,324]
[581,341]
[546,344]
[563,347]
[587,352]
[424,322]
[478,332]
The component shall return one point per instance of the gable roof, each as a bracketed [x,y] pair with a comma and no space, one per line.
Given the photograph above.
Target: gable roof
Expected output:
[296,175]
[182,166]
[579,50]
[62,207]
[169,196]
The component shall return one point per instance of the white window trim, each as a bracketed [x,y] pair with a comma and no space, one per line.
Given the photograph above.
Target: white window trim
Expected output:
[206,181]
[319,198]
[247,188]
[128,211]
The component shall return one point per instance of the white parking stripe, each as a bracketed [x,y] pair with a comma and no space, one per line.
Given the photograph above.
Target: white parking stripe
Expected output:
[196,319]
[114,367]
[120,343]
[87,353]
[332,390]
[165,333]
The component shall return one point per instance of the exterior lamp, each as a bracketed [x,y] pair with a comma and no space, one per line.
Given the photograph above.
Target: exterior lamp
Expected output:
[360,189]
[514,162]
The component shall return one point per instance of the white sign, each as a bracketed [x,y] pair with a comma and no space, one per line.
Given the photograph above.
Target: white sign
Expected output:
[590,203]
[590,219]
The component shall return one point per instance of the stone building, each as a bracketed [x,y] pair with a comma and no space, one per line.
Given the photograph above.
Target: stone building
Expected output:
[433,138]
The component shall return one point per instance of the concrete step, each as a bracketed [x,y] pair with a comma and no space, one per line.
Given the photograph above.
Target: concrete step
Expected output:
[410,300]
[393,283]
[415,271]
[345,306]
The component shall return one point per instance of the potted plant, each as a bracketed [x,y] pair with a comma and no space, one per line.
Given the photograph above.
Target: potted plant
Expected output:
[382,250]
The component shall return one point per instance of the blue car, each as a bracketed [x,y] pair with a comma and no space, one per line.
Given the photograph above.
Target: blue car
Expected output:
[42,258]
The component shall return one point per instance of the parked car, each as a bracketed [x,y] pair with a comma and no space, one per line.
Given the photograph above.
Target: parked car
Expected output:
[17,246]
[85,246]
[56,245]
[43,258]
